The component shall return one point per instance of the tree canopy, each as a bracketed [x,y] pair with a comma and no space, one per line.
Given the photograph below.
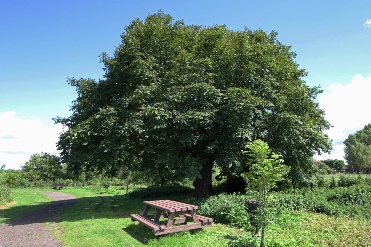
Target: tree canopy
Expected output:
[177,100]
[336,164]
[358,150]
[43,166]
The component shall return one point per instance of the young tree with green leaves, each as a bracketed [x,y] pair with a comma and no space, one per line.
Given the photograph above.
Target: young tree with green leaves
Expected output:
[177,100]
[266,168]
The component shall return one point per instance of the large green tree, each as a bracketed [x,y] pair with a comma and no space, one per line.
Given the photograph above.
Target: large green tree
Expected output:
[178,99]
[43,166]
[336,164]
[358,150]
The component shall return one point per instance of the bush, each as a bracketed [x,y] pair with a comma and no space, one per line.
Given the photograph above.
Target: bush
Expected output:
[161,191]
[352,201]
[321,182]
[347,181]
[4,191]
[352,195]
[227,209]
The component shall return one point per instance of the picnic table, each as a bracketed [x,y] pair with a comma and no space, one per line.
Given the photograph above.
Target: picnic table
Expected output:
[170,216]
[58,186]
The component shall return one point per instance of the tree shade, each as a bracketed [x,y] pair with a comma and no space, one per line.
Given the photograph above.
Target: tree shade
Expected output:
[177,100]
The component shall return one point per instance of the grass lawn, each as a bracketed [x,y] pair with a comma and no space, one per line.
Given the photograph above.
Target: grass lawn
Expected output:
[103,219]
[25,200]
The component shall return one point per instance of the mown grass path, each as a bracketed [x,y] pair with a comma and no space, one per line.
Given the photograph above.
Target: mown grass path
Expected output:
[30,229]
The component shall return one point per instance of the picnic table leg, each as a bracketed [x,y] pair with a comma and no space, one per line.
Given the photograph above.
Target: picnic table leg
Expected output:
[184,219]
[157,215]
[146,210]
[194,216]
[170,220]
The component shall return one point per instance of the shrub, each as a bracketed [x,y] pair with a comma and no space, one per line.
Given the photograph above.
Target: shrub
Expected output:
[347,181]
[352,195]
[321,182]
[352,201]
[161,191]
[333,183]
[4,191]
[227,209]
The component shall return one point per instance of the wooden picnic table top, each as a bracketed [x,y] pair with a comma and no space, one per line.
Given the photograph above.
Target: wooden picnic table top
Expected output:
[171,206]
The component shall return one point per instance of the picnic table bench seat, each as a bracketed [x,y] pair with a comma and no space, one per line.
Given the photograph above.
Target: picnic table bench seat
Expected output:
[148,222]
[205,221]
[58,186]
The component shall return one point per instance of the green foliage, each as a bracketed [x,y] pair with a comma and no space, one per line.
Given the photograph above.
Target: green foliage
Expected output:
[43,167]
[346,181]
[321,182]
[160,191]
[351,196]
[351,201]
[15,179]
[265,170]
[307,229]
[358,150]
[324,169]
[335,164]
[177,99]
[5,195]
[333,182]
[227,209]
[103,220]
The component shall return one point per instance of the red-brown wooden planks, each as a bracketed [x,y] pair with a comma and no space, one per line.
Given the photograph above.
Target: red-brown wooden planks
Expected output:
[171,206]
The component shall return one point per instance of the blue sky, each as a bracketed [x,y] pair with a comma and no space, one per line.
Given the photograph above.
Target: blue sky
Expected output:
[45,42]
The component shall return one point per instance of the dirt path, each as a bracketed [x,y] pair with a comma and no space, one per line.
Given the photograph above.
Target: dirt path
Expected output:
[29,229]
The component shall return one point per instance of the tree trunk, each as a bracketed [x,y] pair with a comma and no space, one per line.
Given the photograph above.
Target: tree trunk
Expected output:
[203,185]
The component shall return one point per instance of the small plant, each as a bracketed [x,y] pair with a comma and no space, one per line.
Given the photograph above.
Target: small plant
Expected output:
[265,170]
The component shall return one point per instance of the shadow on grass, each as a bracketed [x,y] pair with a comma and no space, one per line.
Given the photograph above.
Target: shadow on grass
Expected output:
[140,233]
[39,213]
[84,208]
[15,211]
[90,209]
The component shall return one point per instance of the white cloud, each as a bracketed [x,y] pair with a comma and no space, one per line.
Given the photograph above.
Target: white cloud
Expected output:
[347,108]
[20,138]
[367,23]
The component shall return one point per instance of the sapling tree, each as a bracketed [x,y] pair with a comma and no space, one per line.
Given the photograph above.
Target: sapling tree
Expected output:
[266,168]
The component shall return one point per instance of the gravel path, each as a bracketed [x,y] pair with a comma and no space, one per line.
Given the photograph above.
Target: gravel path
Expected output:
[29,230]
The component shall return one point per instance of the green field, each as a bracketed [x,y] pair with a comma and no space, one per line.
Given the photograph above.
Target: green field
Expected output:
[103,219]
